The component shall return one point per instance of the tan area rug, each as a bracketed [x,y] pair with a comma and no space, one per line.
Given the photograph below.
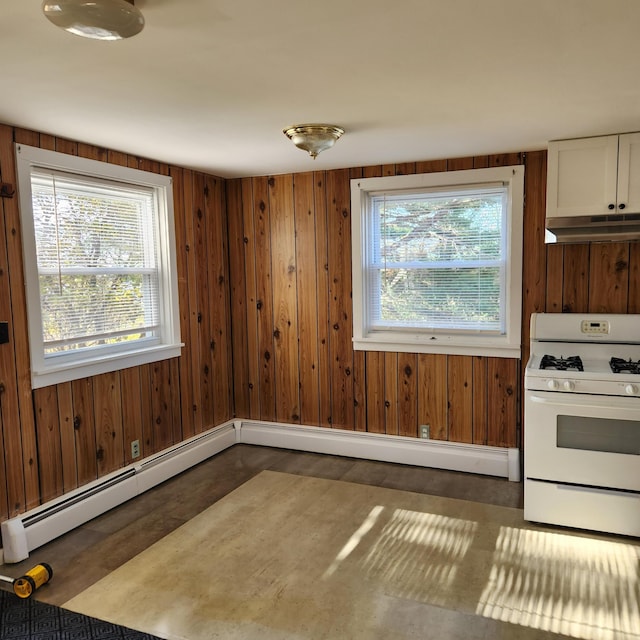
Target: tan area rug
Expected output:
[286,557]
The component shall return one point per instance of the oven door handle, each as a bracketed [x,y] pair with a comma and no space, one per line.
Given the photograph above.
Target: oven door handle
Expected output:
[569,400]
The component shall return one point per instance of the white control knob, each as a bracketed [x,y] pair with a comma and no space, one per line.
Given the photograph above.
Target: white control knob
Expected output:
[553,384]
[631,389]
[569,385]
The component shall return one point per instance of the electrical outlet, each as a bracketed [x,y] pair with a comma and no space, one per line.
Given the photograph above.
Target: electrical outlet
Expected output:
[135,448]
[424,431]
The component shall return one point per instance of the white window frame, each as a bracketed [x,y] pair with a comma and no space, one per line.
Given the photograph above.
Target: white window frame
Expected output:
[72,365]
[454,342]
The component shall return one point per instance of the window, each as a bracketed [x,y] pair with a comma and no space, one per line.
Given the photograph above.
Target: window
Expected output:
[100,267]
[437,262]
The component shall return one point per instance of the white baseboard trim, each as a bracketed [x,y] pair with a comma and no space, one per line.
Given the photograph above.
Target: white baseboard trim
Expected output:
[454,456]
[32,529]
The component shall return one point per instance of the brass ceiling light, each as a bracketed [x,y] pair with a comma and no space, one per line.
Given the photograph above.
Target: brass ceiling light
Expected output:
[95,19]
[313,138]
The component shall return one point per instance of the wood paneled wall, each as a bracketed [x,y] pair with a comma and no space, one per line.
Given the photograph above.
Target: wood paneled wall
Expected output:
[60,437]
[290,257]
[264,274]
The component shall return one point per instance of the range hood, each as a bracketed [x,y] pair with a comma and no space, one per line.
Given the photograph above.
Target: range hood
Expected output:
[604,228]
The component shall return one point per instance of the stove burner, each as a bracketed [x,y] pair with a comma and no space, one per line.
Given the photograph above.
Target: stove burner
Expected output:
[618,365]
[561,363]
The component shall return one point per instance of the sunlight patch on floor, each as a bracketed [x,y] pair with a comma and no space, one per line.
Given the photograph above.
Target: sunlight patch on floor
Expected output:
[417,555]
[581,587]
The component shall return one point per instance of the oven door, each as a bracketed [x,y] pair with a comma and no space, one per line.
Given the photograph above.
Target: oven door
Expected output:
[587,440]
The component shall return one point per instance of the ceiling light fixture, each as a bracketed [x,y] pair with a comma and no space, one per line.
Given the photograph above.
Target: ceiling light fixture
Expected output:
[313,138]
[95,19]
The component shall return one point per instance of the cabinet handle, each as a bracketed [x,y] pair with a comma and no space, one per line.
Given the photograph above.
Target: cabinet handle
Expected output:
[611,206]
[621,206]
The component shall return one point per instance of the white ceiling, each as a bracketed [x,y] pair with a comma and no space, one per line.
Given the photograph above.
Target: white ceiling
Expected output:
[210,84]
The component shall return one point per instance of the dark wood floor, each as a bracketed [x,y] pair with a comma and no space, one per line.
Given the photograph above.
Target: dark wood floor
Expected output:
[90,552]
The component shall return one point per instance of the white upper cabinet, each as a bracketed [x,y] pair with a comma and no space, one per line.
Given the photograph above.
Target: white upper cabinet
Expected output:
[594,176]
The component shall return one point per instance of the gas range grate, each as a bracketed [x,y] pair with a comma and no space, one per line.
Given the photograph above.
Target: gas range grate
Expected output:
[561,363]
[618,365]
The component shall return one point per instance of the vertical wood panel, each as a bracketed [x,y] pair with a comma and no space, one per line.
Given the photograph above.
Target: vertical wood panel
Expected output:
[218,299]
[480,400]
[502,393]
[239,298]
[405,168]
[67,436]
[459,164]
[460,401]
[359,391]
[534,254]
[108,417]
[182,252]
[340,310]
[264,299]
[431,166]
[148,445]
[407,394]
[307,297]
[555,257]
[193,346]
[250,242]
[432,390]
[322,271]
[176,405]
[9,405]
[131,410]
[84,426]
[49,449]
[28,137]
[285,318]
[391,393]
[204,376]
[161,409]
[27,494]
[375,392]
[505,159]
[609,277]
[575,279]
[69,147]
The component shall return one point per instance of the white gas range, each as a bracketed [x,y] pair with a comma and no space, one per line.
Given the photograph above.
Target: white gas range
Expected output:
[582,422]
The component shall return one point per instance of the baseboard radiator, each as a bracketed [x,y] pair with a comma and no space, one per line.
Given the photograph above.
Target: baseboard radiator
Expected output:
[24,533]
[438,454]
[32,529]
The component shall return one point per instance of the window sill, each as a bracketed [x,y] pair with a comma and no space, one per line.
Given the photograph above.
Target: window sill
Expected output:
[105,364]
[441,344]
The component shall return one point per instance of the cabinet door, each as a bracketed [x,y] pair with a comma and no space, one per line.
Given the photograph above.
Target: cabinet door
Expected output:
[582,177]
[629,174]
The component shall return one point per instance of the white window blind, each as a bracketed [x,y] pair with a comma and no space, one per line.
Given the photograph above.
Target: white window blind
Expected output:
[96,243]
[436,260]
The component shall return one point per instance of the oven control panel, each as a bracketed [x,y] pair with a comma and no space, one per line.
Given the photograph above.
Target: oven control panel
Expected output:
[581,385]
[596,327]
